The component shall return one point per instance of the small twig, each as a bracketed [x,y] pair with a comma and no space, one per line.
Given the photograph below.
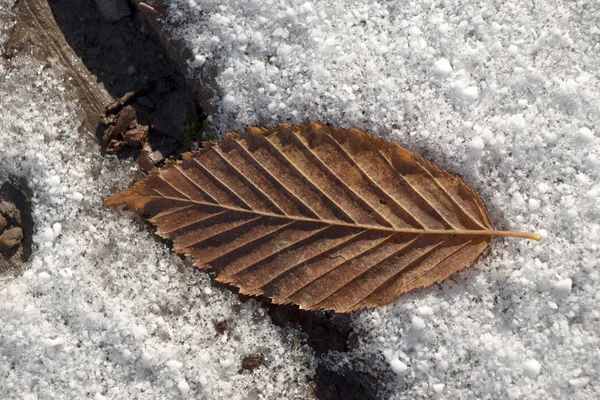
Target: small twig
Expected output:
[147,7]
[118,103]
[151,9]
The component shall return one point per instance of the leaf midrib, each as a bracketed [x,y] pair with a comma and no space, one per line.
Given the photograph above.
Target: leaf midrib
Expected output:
[464,232]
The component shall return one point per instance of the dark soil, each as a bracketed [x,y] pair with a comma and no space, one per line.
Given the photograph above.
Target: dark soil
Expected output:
[125,57]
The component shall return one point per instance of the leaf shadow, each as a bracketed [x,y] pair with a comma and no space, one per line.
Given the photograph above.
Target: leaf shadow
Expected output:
[326,332]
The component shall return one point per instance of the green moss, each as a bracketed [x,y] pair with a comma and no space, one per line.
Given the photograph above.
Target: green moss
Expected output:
[196,131]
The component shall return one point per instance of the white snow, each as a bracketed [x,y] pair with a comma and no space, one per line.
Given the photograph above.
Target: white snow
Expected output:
[532,368]
[398,366]
[477,144]
[504,94]
[585,135]
[438,387]
[442,68]
[470,93]
[563,287]
[534,204]
[425,310]
[417,323]
[183,387]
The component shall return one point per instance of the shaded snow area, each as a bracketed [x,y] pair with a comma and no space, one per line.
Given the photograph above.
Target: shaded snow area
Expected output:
[6,21]
[507,95]
[102,310]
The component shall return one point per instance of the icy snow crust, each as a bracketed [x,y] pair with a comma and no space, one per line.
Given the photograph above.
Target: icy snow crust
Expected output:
[102,310]
[506,94]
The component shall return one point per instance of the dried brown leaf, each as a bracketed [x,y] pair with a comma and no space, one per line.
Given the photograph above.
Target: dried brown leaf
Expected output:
[324,218]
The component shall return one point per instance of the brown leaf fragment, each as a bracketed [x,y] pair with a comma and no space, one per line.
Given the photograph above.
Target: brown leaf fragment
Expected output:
[124,118]
[220,327]
[136,136]
[124,130]
[324,218]
[250,363]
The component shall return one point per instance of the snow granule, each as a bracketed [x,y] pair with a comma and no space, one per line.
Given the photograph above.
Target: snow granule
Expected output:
[398,366]
[563,287]
[477,144]
[56,228]
[425,310]
[470,93]
[438,387]
[442,68]
[48,234]
[183,387]
[585,135]
[512,50]
[417,323]
[532,368]
[534,204]
[44,277]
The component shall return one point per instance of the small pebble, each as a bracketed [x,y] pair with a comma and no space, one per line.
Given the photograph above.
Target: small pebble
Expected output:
[221,327]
